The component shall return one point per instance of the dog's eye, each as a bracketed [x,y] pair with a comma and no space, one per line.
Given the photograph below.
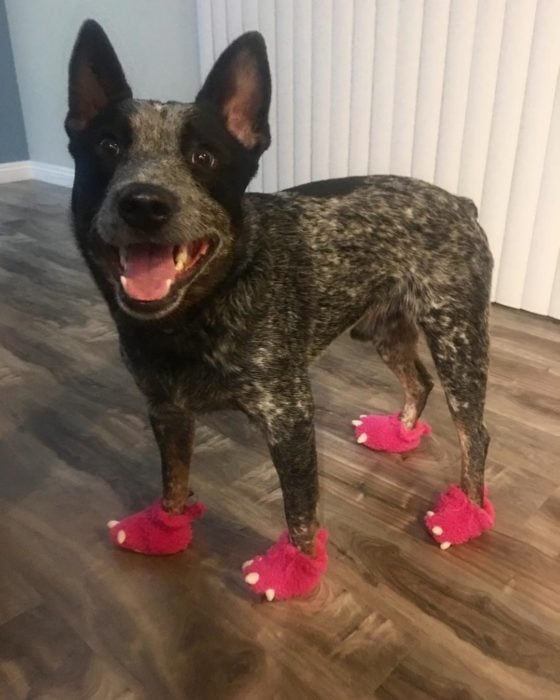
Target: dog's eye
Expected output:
[109,147]
[203,158]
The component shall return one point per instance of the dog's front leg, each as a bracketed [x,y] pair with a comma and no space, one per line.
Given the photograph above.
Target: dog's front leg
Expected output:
[174,432]
[165,526]
[294,565]
[292,448]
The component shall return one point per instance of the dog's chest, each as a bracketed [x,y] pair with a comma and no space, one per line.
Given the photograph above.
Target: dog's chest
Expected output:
[199,373]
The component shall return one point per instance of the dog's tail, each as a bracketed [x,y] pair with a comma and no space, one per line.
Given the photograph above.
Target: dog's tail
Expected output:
[469,206]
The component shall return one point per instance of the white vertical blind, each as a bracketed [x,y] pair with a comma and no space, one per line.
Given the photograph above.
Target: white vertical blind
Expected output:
[285,94]
[460,40]
[406,85]
[302,91]
[320,44]
[480,99]
[431,74]
[363,47]
[341,81]
[530,152]
[506,122]
[382,97]
[544,254]
[462,93]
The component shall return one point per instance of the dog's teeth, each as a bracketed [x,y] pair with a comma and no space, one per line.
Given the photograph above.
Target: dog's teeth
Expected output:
[181,259]
[124,282]
[168,285]
[122,256]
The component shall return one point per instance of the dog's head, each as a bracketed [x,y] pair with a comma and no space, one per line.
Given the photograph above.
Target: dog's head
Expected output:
[158,186]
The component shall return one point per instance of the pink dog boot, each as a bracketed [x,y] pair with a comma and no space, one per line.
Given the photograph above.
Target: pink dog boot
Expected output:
[286,572]
[388,433]
[154,531]
[457,519]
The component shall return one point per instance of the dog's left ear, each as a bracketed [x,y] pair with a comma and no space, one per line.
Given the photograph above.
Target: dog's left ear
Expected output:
[96,77]
[239,87]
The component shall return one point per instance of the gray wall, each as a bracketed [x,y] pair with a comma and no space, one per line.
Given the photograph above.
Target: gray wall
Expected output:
[156,42]
[13,145]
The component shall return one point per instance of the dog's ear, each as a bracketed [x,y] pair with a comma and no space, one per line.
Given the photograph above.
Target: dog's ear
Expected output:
[96,77]
[239,87]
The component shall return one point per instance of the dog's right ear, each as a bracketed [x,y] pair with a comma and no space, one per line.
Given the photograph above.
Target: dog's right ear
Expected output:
[96,77]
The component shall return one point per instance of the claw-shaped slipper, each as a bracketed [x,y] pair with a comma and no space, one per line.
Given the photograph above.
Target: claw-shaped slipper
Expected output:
[457,519]
[154,531]
[284,571]
[388,433]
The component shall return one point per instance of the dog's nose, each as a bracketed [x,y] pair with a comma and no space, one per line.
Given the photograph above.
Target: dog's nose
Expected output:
[146,207]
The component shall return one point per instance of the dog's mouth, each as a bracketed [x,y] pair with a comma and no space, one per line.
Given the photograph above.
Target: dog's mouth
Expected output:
[150,272]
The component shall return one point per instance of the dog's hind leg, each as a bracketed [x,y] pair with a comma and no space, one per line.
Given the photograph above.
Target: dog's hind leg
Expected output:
[397,346]
[396,340]
[458,340]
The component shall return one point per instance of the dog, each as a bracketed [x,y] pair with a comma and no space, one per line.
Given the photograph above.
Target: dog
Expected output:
[222,299]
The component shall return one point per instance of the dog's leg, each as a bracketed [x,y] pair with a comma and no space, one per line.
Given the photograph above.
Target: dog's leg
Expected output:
[458,340]
[397,347]
[294,565]
[396,340]
[165,526]
[174,432]
[294,456]
[460,353]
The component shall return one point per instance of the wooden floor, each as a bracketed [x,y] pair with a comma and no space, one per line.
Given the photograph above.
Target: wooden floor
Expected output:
[394,617]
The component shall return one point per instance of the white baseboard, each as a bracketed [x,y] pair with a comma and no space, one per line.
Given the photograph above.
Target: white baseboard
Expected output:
[35,170]
[55,174]
[13,172]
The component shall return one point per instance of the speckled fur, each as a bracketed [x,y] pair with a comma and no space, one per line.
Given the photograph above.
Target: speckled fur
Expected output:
[316,266]
[382,254]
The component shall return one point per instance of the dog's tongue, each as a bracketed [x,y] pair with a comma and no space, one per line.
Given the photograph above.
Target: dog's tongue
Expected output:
[149,271]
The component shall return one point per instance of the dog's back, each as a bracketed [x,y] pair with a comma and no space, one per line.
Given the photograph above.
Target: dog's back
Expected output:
[381,243]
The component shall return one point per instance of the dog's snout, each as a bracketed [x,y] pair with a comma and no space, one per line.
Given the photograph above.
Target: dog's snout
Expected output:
[146,207]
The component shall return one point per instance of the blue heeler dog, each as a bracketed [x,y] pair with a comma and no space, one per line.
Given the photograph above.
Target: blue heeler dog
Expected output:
[222,299]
